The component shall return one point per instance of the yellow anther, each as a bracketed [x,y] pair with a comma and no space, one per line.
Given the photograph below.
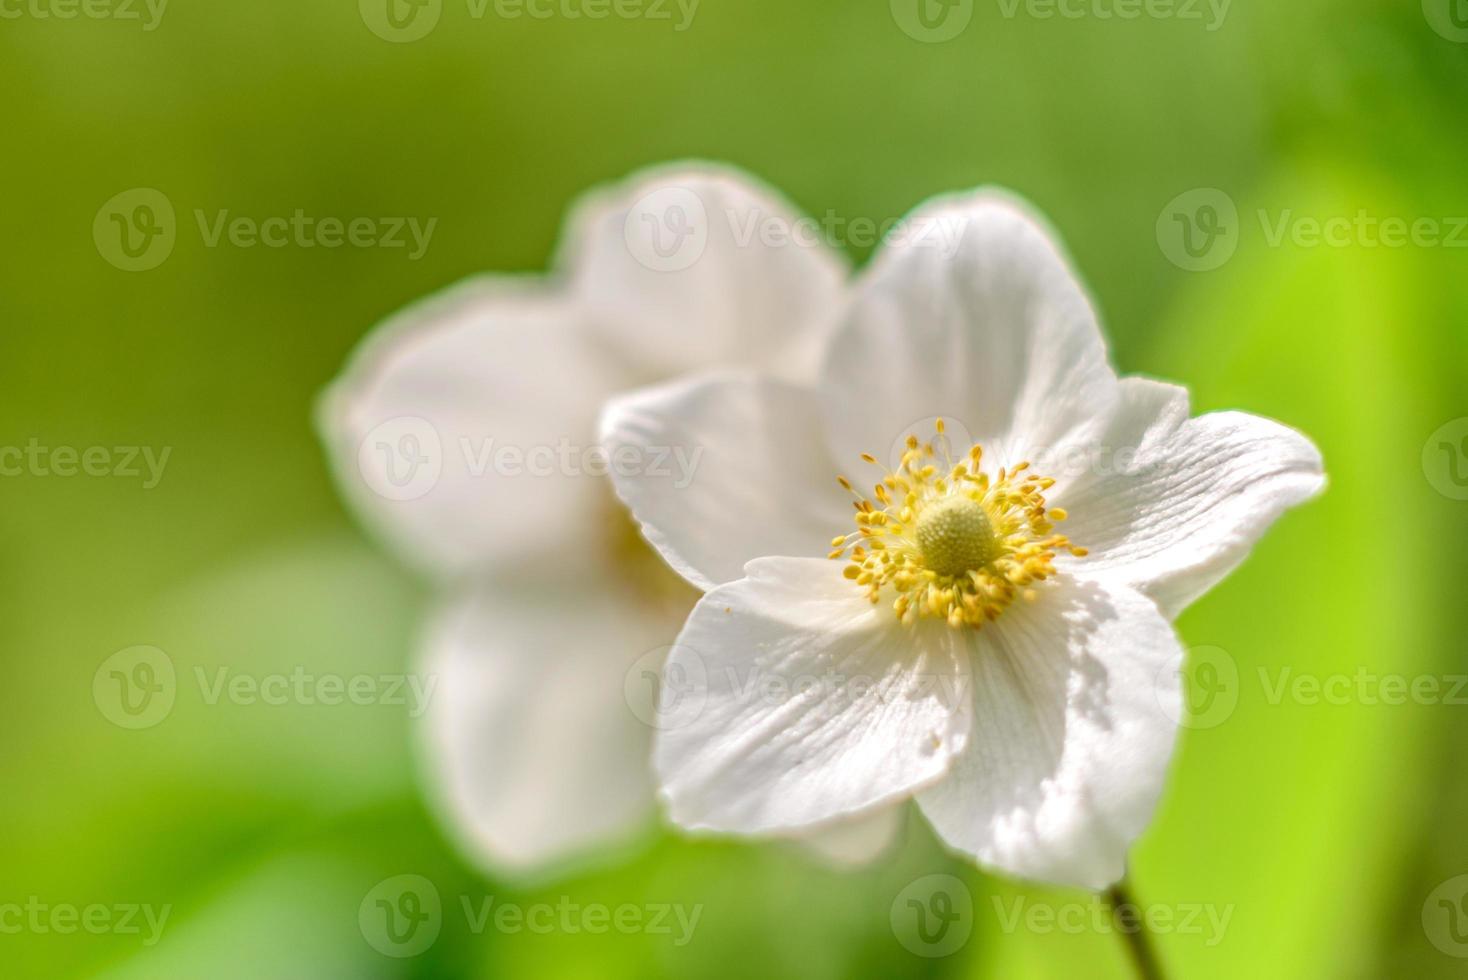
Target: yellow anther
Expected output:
[961,546]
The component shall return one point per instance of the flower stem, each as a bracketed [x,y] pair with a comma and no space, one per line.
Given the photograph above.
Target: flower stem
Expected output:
[1133,931]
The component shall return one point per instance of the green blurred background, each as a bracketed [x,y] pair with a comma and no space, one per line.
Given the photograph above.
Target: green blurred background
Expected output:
[1322,829]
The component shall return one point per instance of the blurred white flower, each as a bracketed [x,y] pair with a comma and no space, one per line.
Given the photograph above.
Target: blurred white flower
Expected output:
[1018,682]
[464,433]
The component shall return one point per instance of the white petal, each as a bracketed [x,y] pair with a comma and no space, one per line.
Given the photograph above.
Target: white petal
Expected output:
[1073,727]
[679,267]
[421,425]
[531,749]
[816,704]
[1171,505]
[743,474]
[858,840]
[976,317]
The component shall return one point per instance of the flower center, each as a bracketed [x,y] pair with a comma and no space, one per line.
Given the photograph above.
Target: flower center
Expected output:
[952,542]
[954,535]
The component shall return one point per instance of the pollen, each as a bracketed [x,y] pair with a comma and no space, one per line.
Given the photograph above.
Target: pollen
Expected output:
[940,538]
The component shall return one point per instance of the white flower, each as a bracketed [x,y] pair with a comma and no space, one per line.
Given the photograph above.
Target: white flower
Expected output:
[1020,684]
[464,432]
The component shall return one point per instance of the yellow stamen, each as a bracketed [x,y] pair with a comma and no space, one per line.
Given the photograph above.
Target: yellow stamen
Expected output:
[954,545]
